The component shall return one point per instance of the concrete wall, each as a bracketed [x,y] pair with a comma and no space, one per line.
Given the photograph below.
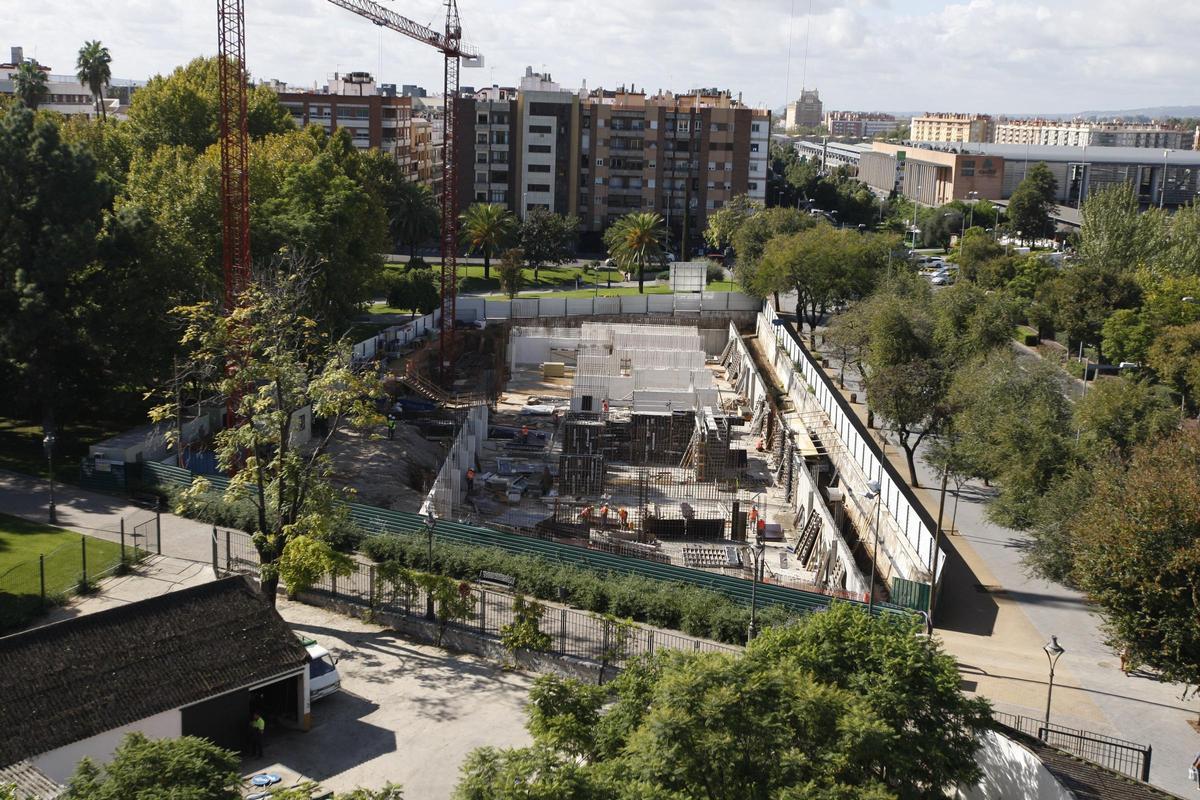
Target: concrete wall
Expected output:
[1009,771]
[479,308]
[60,764]
[449,488]
[906,537]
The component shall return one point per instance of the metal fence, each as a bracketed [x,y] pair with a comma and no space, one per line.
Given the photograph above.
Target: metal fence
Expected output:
[577,634]
[30,587]
[1128,758]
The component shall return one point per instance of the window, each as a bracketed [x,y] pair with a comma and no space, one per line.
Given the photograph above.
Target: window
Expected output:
[539,148]
[320,666]
[481,158]
[650,183]
[538,167]
[599,181]
[599,162]
[539,187]
[481,177]
[481,197]
[756,127]
[753,185]
[481,138]
[541,129]
[482,119]
[712,165]
[653,124]
[968,168]
[754,147]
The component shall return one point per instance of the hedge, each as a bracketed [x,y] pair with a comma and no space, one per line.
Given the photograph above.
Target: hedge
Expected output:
[663,604]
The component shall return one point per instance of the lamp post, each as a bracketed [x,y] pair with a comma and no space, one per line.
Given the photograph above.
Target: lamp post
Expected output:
[48,442]
[1054,652]
[873,493]
[430,524]
[1162,185]
[757,552]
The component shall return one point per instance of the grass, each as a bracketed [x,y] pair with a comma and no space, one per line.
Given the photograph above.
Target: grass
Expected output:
[21,544]
[618,291]
[471,276]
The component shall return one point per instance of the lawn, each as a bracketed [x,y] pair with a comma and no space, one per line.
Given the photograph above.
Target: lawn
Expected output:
[471,278]
[21,543]
[618,291]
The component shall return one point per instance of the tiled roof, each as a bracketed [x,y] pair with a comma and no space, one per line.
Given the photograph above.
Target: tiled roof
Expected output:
[80,677]
[30,782]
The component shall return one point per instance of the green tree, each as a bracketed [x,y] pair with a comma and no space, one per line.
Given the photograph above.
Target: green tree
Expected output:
[524,632]
[1117,415]
[1116,235]
[635,240]
[725,221]
[977,248]
[488,228]
[416,290]
[1050,551]
[826,702]
[1032,204]
[92,70]
[29,84]
[284,369]
[1175,358]
[158,769]
[548,239]
[512,272]
[1016,429]
[1135,552]
[1085,294]
[413,216]
[51,214]
[306,560]
[907,396]
[969,322]
[182,109]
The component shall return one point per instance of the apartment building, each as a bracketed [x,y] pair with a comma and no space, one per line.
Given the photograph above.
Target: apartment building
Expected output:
[805,112]
[858,125]
[65,94]
[944,127]
[1079,133]
[374,116]
[493,155]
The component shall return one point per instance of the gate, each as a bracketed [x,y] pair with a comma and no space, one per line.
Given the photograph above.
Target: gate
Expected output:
[910,594]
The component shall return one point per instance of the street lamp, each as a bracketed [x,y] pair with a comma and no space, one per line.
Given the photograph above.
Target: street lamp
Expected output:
[430,524]
[873,493]
[1162,187]
[1054,652]
[48,444]
[757,552]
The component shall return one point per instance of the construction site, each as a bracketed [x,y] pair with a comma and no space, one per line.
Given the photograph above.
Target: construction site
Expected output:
[649,441]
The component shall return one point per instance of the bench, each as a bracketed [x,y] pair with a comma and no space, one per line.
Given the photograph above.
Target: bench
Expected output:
[498,579]
[147,500]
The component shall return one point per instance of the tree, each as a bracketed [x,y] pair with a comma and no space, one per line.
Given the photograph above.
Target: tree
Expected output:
[945,224]
[1175,358]
[635,240]
[548,239]
[1050,551]
[1135,554]
[968,322]
[1116,235]
[413,216]
[305,560]
[512,273]
[976,249]
[725,221]
[907,396]
[91,67]
[1031,206]
[487,228]
[524,632]
[416,290]
[282,368]
[51,214]
[1117,415]
[824,702]
[1085,294]
[158,769]
[29,84]
[182,110]
[1016,429]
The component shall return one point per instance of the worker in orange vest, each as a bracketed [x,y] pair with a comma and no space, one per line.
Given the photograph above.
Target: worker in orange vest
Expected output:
[525,435]
[470,480]
[624,515]
[604,515]
[762,527]
[586,513]
[753,515]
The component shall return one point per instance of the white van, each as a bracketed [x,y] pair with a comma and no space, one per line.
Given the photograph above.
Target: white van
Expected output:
[323,676]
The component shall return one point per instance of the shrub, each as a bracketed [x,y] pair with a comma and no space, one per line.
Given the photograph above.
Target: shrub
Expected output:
[696,611]
[714,272]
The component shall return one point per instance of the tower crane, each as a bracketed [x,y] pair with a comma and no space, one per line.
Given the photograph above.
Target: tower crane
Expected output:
[235,143]
[457,53]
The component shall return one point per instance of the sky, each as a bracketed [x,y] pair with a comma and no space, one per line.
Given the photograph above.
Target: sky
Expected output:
[997,56]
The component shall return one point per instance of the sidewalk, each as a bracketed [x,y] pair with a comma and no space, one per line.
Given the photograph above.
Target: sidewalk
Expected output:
[99,515]
[995,618]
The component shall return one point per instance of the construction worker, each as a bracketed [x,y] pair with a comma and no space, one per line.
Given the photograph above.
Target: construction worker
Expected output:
[762,527]
[753,516]
[604,516]
[624,517]
[524,434]
[391,423]
[470,480]
[586,514]
[258,727]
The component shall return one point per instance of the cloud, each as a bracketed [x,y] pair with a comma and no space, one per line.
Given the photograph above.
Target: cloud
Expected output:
[986,55]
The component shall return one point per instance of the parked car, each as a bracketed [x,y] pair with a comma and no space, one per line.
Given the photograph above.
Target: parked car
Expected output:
[323,676]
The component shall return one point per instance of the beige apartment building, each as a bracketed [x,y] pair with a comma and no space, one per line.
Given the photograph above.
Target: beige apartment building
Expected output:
[805,112]
[945,127]
[1078,133]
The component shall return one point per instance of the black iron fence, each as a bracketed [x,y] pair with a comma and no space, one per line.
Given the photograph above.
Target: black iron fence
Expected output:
[577,634]
[1128,758]
[30,587]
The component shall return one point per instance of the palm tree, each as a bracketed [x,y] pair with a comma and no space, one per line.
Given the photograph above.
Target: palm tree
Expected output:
[91,67]
[413,216]
[637,239]
[488,228]
[29,83]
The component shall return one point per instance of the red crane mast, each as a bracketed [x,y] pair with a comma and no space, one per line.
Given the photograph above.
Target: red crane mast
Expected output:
[450,43]
[235,144]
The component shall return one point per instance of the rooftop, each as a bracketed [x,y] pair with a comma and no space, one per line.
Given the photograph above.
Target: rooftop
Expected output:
[1092,155]
[83,676]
